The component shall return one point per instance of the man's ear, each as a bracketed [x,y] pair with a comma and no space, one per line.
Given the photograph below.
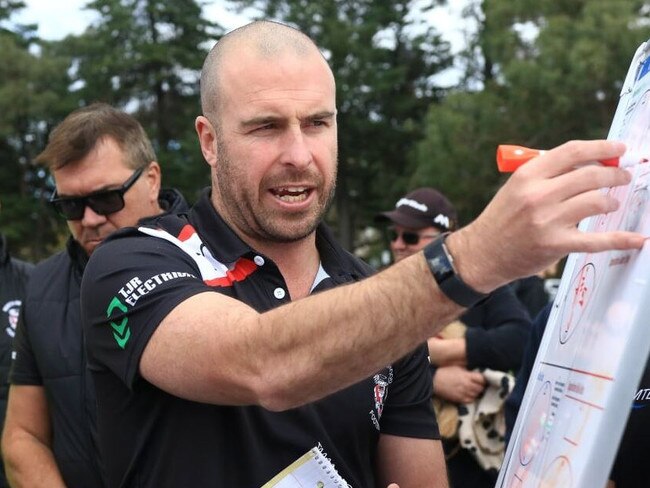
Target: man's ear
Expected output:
[153,175]
[207,138]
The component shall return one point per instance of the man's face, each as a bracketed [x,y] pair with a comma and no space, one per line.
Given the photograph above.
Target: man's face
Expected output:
[105,168]
[274,151]
[405,242]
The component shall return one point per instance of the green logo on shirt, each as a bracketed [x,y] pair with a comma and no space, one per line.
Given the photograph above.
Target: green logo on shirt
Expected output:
[121,332]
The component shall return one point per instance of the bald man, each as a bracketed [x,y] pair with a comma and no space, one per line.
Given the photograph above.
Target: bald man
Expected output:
[225,344]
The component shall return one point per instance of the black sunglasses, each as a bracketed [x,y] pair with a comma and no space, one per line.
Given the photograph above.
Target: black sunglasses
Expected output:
[409,238]
[103,202]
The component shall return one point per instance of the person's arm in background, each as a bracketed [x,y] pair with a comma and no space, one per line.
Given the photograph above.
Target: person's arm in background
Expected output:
[495,338]
[497,332]
[447,352]
[26,440]
[27,433]
[457,384]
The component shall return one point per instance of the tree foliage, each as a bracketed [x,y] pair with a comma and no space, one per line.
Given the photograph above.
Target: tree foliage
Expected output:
[33,96]
[533,72]
[538,73]
[145,56]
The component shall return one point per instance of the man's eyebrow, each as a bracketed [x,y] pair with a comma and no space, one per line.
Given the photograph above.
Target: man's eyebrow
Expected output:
[262,120]
[321,115]
[271,119]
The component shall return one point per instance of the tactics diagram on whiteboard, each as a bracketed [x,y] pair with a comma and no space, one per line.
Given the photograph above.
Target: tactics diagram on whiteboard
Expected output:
[598,335]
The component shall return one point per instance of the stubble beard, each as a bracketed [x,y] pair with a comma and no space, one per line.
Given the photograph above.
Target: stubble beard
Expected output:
[259,222]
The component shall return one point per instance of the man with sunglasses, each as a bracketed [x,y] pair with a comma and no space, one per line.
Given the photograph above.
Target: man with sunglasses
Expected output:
[107,178]
[492,335]
[226,343]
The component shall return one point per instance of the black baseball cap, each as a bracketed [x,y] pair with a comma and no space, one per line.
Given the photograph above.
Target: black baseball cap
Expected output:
[424,207]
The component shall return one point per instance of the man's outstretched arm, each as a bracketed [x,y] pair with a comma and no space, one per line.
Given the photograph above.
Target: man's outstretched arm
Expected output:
[214,349]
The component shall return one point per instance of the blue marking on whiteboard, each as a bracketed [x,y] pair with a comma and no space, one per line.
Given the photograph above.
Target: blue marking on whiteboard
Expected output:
[644,69]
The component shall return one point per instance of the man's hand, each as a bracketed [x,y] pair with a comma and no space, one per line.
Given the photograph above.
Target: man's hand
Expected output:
[458,385]
[532,220]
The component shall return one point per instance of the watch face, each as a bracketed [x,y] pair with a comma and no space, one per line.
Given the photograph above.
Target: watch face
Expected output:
[441,266]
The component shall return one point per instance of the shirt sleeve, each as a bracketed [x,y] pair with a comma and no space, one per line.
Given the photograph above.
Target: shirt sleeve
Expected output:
[499,333]
[130,285]
[408,411]
[24,369]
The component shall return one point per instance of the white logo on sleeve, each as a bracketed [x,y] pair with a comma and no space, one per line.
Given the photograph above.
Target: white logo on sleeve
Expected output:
[12,309]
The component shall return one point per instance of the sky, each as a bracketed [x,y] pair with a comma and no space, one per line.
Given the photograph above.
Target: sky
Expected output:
[57,18]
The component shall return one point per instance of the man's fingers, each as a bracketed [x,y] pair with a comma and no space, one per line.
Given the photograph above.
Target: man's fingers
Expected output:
[604,241]
[584,205]
[477,378]
[566,157]
[585,179]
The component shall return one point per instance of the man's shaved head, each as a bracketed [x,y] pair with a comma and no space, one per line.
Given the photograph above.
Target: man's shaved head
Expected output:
[265,39]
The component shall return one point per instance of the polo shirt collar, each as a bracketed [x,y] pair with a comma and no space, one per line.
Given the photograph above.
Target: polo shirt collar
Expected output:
[224,244]
[227,247]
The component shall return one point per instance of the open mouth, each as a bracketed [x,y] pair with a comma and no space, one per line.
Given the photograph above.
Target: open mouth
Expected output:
[291,195]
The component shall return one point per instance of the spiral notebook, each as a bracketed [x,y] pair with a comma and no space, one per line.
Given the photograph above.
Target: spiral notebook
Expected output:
[311,470]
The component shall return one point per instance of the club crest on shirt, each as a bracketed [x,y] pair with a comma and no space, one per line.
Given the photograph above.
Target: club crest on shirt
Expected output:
[380,393]
[12,309]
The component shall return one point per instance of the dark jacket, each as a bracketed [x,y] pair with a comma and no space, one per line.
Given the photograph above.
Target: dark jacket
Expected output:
[497,331]
[531,291]
[13,281]
[49,352]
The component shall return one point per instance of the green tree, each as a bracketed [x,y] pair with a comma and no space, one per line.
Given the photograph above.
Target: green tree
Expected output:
[537,73]
[21,33]
[383,56]
[33,96]
[145,56]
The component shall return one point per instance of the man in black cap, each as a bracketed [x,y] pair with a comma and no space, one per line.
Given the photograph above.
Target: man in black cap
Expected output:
[418,217]
[491,335]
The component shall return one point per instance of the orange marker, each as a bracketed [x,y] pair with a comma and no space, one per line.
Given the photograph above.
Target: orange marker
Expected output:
[509,158]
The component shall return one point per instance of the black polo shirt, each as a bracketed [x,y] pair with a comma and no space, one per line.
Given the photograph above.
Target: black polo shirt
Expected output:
[151,438]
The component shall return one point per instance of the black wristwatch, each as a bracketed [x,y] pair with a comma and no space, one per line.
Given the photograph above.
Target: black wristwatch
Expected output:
[441,264]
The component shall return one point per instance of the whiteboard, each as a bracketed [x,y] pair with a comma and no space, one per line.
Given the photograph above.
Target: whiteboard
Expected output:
[596,342]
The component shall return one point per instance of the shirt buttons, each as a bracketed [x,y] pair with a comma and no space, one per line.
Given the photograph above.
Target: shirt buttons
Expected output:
[279,293]
[259,260]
